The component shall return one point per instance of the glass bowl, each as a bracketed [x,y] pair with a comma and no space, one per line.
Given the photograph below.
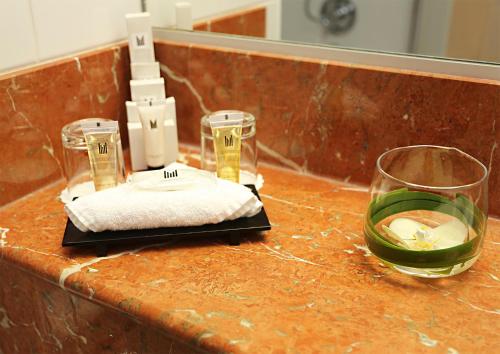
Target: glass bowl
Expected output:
[428,210]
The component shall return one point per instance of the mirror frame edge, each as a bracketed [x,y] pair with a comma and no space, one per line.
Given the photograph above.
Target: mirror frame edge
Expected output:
[424,65]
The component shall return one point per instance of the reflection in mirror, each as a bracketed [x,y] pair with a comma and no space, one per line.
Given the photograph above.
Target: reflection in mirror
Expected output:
[458,29]
[463,29]
[251,22]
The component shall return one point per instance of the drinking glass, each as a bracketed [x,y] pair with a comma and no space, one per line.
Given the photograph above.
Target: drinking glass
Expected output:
[76,158]
[248,157]
[428,211]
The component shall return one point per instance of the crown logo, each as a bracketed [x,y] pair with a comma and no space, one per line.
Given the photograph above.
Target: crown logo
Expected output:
[153,124]
[228,141]
[103,148]
[140,40]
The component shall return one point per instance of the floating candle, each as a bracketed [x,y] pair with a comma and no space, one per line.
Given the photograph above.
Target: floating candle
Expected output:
[417,236]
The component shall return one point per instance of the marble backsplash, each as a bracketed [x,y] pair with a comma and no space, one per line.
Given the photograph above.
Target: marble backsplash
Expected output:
[316,117]
[37,102]
[329,118]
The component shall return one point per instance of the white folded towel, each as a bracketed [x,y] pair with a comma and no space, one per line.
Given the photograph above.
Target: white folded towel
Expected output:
[126,207]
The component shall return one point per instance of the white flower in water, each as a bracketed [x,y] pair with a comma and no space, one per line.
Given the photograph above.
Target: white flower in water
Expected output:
[417,236]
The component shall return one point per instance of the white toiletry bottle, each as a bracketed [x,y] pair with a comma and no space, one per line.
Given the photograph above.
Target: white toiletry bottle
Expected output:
[152,116]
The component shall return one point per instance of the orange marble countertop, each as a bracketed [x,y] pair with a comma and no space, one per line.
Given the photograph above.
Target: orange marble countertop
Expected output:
[309,285]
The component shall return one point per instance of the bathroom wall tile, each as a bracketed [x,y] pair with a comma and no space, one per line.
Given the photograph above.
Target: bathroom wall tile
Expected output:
[334,119]
[17,37]
[36,103]
[64,27]
[244,23]
[317,117]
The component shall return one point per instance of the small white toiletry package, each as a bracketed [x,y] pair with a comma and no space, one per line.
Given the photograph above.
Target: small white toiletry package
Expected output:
[183,16]
[142,71]
[147,89]
[140,38]
[136,135]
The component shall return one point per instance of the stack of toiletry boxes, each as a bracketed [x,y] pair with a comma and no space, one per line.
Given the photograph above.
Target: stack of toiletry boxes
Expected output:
[146,85]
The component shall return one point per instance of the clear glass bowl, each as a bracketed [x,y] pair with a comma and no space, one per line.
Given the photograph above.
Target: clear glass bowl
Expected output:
[428,211]
[248,158]
[76,158]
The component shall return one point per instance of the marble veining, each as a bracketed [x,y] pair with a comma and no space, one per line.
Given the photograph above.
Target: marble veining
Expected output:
[56,321]
[78,267]
[35,104]
[321,117]
[3,236]
[173,76]
[328,118]
[309,284]
[6,321]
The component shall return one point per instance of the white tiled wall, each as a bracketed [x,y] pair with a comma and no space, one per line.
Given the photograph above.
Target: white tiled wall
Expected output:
[37,30]
[17,37]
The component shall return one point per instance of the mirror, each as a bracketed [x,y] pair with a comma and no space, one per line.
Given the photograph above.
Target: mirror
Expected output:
[455,29]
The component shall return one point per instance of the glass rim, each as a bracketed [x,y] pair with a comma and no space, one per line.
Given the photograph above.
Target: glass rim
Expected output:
[248,118]
[72,134]
[69,129]
[433,188]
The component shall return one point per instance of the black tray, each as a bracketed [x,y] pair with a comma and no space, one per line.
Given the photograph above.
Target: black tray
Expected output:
[101,240]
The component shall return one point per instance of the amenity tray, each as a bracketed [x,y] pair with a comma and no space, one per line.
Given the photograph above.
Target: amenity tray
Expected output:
[102,240]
